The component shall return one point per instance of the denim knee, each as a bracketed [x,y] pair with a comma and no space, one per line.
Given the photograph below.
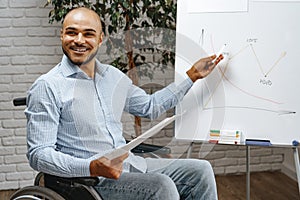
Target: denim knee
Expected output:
[164,187]
[200,169]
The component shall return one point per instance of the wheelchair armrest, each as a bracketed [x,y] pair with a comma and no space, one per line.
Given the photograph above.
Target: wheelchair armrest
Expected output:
[147,148]
[21,101]
[87,181]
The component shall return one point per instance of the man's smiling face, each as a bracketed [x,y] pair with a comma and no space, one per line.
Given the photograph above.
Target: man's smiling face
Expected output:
[81,35]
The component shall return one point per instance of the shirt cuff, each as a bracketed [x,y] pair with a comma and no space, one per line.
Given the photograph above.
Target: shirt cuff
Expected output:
[185,85]
[82,168]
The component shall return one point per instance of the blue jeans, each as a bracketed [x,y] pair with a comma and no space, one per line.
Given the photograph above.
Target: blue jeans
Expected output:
[165,179]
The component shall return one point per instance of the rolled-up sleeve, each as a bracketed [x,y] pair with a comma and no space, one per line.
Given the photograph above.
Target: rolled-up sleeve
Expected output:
[152,106]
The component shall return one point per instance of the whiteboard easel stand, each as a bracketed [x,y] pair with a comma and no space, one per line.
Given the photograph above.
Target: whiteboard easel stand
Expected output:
[190,150]
[296,158]
[297,163]
[248,172]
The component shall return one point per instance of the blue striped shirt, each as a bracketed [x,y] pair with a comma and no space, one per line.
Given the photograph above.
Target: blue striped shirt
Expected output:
[73,119]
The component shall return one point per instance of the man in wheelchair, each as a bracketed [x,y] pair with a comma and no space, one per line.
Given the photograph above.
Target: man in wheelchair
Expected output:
[74,118]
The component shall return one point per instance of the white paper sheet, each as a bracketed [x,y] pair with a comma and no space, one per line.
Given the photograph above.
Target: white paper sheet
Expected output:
[135,142]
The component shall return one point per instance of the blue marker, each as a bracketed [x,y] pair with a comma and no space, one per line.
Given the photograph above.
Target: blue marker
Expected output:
[256,142]
[295,143]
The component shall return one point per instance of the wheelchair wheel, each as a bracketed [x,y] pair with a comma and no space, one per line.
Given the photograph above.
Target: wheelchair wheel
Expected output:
[35,193]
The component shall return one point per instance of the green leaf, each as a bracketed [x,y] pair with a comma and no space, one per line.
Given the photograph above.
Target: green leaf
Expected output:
[122,15]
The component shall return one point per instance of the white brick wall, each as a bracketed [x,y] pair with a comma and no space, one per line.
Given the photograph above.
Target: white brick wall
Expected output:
[29,47]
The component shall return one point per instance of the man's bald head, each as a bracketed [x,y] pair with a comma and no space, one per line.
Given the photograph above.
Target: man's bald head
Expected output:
[83,14]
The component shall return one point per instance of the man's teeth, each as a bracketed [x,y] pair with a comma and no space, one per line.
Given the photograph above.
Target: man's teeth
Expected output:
[80,50]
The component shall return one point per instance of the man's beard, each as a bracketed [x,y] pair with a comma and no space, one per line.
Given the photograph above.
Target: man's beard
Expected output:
[81,63]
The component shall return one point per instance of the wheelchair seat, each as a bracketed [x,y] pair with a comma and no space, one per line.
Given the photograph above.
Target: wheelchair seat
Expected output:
[73,188]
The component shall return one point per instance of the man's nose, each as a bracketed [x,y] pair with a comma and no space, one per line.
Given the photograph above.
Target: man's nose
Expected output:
[79,38]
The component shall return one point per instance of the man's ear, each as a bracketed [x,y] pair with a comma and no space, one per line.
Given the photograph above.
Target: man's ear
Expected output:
[101,39]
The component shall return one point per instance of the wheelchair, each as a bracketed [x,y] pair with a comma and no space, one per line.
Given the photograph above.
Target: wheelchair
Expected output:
[49,187]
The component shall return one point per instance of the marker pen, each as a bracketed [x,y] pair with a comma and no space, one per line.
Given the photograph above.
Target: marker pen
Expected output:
[220,52]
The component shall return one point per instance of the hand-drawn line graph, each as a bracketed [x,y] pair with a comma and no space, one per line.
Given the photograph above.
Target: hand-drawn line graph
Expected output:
[225,78]
[250,44]
[283,54]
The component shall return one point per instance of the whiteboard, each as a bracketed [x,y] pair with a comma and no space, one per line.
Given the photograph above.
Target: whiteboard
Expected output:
[256,88]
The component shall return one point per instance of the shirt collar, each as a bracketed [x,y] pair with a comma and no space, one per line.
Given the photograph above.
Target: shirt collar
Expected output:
[71,70]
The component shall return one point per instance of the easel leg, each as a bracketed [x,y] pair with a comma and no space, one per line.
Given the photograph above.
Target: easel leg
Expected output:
[297,164]
[190,150]
[248,172]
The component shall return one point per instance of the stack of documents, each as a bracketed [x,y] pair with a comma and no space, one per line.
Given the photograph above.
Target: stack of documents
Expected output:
[225,136]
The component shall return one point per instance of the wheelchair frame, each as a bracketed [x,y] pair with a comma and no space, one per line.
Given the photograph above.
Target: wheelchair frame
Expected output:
[38,191]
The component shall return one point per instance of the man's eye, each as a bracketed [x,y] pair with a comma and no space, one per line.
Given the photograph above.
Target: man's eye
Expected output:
[89,34]
[71,33]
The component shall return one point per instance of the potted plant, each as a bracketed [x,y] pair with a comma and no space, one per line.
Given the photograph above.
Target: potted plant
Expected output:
[130,17]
